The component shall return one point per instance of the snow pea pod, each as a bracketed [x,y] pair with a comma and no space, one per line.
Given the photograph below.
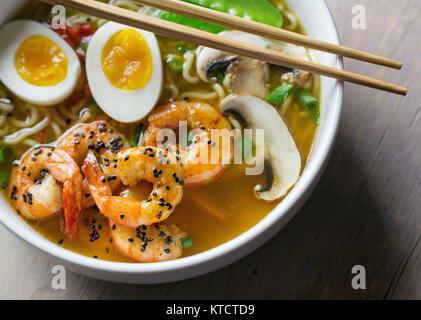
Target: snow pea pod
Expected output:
[257,10]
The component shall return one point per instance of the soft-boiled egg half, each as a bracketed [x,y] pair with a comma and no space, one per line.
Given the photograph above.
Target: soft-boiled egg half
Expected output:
[36,64]
[124,70]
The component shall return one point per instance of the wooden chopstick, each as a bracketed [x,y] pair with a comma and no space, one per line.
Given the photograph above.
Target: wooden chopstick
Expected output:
[237,23]
[177,31]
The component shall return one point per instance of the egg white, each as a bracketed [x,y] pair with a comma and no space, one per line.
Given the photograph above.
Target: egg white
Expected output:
[124,106]
[12,35]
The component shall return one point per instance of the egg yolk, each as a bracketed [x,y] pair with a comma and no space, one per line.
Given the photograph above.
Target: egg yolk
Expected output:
[127,60]
[41,62]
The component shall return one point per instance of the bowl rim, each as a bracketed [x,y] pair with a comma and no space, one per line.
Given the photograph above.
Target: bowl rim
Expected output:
[308,177]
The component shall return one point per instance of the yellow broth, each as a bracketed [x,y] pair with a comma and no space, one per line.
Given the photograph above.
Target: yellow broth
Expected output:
[212,214]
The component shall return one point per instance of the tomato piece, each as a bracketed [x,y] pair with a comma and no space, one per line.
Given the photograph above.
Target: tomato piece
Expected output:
[66,38]
[87,91]
[86,29]
[60,31]
[74,34]
[42,136]
[102,118]
[80,54]
[75,97]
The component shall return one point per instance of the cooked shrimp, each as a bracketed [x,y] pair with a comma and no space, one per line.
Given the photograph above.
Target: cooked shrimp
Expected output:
[105,141]
[136,165]
[198,169]
[159,242]
[36,194]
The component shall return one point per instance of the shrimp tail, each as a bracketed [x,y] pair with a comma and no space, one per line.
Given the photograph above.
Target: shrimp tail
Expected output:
[72,205]
[98,185]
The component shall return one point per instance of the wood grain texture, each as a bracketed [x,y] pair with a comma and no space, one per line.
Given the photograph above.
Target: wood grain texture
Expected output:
[366,209]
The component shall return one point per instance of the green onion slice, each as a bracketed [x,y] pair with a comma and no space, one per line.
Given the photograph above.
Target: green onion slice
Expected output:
[84,46]
[176,65]
[133,143]
[4,177]
[6,154]
[311,103]
[187,242]
[280,94]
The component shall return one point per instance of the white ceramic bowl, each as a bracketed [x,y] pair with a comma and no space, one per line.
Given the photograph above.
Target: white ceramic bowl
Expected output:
[317,20]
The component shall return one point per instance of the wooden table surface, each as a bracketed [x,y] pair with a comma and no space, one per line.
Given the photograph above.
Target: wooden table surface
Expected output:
[365,211]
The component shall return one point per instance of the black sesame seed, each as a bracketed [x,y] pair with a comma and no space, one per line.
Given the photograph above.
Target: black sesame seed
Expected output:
[60,241]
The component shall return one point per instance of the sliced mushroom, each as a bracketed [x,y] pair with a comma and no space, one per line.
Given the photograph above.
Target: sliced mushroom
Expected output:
[248,76]
[283,161]
[209,60]
[298,77]
[245,75]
